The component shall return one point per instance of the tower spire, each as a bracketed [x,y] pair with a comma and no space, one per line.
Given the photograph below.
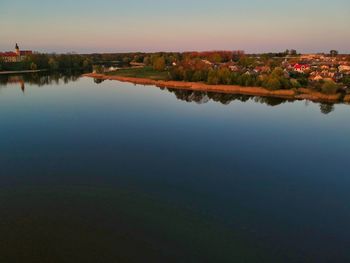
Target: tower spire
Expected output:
[17,49]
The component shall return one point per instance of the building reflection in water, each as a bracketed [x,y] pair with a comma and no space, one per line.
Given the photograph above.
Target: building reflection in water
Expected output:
[38,79]
[16,80]
[23,86]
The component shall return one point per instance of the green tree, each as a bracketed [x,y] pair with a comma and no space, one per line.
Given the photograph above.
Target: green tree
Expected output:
[159,64]
[273,83]
[98,69]
[53,64]
[213,78]
[87,64]
[346,81]
[295,83]
[126,60]
[224,76]
[33,66]
[329,87]
[277,80]
[198,76]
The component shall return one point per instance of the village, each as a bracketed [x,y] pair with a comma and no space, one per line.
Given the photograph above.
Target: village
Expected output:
[326,73]
[316,66]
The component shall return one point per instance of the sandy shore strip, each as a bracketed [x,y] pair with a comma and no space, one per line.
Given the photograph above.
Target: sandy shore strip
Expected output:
[299,94]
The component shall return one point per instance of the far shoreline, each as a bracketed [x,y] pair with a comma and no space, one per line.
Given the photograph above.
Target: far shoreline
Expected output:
[21,71]
[297,94]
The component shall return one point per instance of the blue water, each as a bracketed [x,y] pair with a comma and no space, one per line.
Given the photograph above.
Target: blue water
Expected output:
[114,172]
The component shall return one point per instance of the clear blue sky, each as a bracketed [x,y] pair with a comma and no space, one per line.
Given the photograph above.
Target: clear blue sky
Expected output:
[175,25]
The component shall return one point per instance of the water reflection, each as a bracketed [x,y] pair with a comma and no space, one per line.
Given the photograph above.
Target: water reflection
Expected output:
[326,108]
[39,79]
[122,169]
[198,97]
[225,99]
[98,81]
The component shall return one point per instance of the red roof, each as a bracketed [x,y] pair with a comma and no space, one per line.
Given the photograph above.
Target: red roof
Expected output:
[300,66]
[14,54]
[8,54]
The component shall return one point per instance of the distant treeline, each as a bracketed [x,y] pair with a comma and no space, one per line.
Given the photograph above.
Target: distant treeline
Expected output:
[159,60]
[78,62]
[51,62]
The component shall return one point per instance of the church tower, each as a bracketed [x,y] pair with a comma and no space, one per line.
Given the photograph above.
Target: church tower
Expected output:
[17,50]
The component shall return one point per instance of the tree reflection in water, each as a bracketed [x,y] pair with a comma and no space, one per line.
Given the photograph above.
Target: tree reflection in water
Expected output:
[98,81]
[326,108]
[226,98]
[199,97]
[39,79]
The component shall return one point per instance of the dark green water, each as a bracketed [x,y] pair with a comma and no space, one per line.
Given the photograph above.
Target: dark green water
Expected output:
[114,172]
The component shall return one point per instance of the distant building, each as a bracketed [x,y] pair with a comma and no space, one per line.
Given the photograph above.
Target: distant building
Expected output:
[344,68]
[16,56]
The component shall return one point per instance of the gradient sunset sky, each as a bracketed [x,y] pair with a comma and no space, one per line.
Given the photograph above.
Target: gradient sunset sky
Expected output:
[175,25]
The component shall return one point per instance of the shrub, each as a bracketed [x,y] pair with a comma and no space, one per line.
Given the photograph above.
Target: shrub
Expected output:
[329,87]
[224,76]
[295,83]
[272,83]
[213,77]
[33,66]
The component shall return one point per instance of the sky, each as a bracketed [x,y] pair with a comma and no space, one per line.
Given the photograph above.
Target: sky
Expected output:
[87,26]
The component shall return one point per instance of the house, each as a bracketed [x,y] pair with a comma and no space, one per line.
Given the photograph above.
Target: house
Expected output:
[15,56]
[262,69]
[316,77]
[9,56]
[344,68]
[207,62]
[234,68]
[301,67]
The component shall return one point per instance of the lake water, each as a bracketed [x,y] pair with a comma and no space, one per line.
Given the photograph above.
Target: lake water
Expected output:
[113,172]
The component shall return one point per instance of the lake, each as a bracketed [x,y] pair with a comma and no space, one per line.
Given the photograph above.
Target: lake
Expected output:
[114,172]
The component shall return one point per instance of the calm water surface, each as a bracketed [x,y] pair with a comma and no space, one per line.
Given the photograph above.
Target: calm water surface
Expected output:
[114,172]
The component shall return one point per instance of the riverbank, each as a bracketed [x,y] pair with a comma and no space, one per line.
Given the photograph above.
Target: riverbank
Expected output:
[298,94]
[21,71]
